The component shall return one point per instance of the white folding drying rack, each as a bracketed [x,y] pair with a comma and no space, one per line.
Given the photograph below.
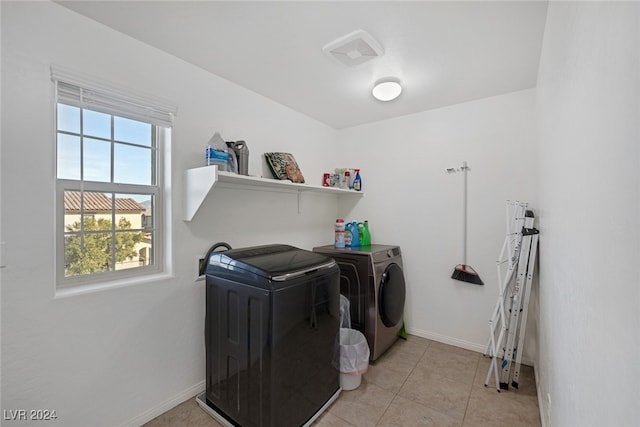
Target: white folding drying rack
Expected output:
[509,318]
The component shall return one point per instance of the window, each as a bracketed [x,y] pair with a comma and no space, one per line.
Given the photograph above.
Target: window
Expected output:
[109,182]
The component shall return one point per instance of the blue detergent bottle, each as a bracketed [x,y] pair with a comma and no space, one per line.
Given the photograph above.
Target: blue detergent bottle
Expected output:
[352,232]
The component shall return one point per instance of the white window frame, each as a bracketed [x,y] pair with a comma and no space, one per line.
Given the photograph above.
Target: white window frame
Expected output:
[80,91]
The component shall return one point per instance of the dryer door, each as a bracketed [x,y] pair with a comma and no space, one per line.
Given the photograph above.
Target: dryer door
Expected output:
[392,294]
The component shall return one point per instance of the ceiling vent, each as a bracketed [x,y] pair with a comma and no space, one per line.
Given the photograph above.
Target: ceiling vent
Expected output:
[354,49]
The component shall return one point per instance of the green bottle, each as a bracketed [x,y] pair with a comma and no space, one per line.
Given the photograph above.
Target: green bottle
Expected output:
[366,235]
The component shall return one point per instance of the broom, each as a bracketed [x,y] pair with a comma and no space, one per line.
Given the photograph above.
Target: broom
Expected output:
[464,272]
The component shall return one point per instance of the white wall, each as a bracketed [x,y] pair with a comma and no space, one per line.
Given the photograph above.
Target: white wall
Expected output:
[124,355]
[410,201]
[589,118]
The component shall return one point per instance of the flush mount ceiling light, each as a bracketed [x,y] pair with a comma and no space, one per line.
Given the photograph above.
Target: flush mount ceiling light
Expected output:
[354,49]
[387,89]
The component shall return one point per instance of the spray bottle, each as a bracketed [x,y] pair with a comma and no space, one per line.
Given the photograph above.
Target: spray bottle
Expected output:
[357,181]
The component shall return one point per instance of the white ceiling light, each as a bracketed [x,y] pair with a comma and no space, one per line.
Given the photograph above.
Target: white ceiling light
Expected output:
[387,89]
[354,48]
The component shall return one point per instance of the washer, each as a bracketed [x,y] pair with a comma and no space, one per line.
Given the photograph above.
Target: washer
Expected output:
[272,318]
[372,278]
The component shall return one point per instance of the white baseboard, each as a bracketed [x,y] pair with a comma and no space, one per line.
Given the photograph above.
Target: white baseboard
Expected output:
[545,417]
[480,348]
[168,404]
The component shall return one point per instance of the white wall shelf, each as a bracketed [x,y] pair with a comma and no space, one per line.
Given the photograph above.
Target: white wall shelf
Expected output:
[199,182]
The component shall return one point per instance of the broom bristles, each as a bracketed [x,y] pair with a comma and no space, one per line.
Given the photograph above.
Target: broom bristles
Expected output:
[465,273]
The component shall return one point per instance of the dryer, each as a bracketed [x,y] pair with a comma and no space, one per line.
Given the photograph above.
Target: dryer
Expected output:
[372,278]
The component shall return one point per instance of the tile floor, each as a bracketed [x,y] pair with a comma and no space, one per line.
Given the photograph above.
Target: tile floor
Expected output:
[417,382]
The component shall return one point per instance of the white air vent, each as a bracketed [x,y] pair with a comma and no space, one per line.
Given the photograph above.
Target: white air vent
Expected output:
[354,48]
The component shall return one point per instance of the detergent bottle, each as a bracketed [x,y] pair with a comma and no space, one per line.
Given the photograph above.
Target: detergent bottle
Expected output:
[351,236]
[366,235]
[355,240]
[348,235]
[339,231]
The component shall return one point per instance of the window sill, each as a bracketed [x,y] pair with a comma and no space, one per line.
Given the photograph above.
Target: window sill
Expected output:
[72,291]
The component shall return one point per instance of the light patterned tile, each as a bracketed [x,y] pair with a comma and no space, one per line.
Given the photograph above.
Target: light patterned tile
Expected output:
[527,382]
[327,419]
[407,351]
[489,408]
[437,392]
[188,413]
[390,374]
[404,413]
[435,345]
[363,406]
[456,365]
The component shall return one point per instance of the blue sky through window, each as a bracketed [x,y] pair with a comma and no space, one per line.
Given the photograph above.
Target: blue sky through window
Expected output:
[132,147]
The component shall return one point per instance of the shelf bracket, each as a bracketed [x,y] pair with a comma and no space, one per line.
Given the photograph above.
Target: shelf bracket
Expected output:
[198,183]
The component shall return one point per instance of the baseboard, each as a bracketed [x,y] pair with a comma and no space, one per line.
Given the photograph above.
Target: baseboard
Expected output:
[168,404]
[480,348]
[545,418]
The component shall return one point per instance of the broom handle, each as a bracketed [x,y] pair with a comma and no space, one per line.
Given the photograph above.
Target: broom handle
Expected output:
[464,216]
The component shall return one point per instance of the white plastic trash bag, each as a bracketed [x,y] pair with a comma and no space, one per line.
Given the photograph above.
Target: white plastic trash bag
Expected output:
[345,312]
[354,352]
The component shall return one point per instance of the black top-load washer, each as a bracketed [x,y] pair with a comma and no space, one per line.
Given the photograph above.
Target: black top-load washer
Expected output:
[272,321]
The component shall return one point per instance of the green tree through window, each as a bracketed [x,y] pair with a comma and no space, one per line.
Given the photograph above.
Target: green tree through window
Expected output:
[89,248]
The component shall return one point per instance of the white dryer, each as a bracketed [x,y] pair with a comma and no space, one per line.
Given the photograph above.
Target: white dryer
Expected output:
[372,278]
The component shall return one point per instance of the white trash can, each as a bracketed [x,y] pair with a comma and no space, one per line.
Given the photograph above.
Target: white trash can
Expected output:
[354,358]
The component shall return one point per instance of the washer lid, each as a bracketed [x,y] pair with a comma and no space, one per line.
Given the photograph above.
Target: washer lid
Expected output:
[275,262]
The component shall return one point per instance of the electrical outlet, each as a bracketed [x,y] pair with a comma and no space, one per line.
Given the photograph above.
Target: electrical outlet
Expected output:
[200,266]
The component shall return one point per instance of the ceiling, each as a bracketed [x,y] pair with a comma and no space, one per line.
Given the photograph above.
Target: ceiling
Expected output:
[443,52]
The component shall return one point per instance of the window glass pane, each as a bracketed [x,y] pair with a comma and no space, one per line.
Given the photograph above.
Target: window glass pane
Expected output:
[86,253]
[97,160]
[96,211]
[93,207]
[129,246]
[72,206]
[68,156]
[132,165]
[138,209]
[89,222]
[146,201]
[96,124]
[133,248]
[129,211]
[68,118]
[132,131]
[88,245]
